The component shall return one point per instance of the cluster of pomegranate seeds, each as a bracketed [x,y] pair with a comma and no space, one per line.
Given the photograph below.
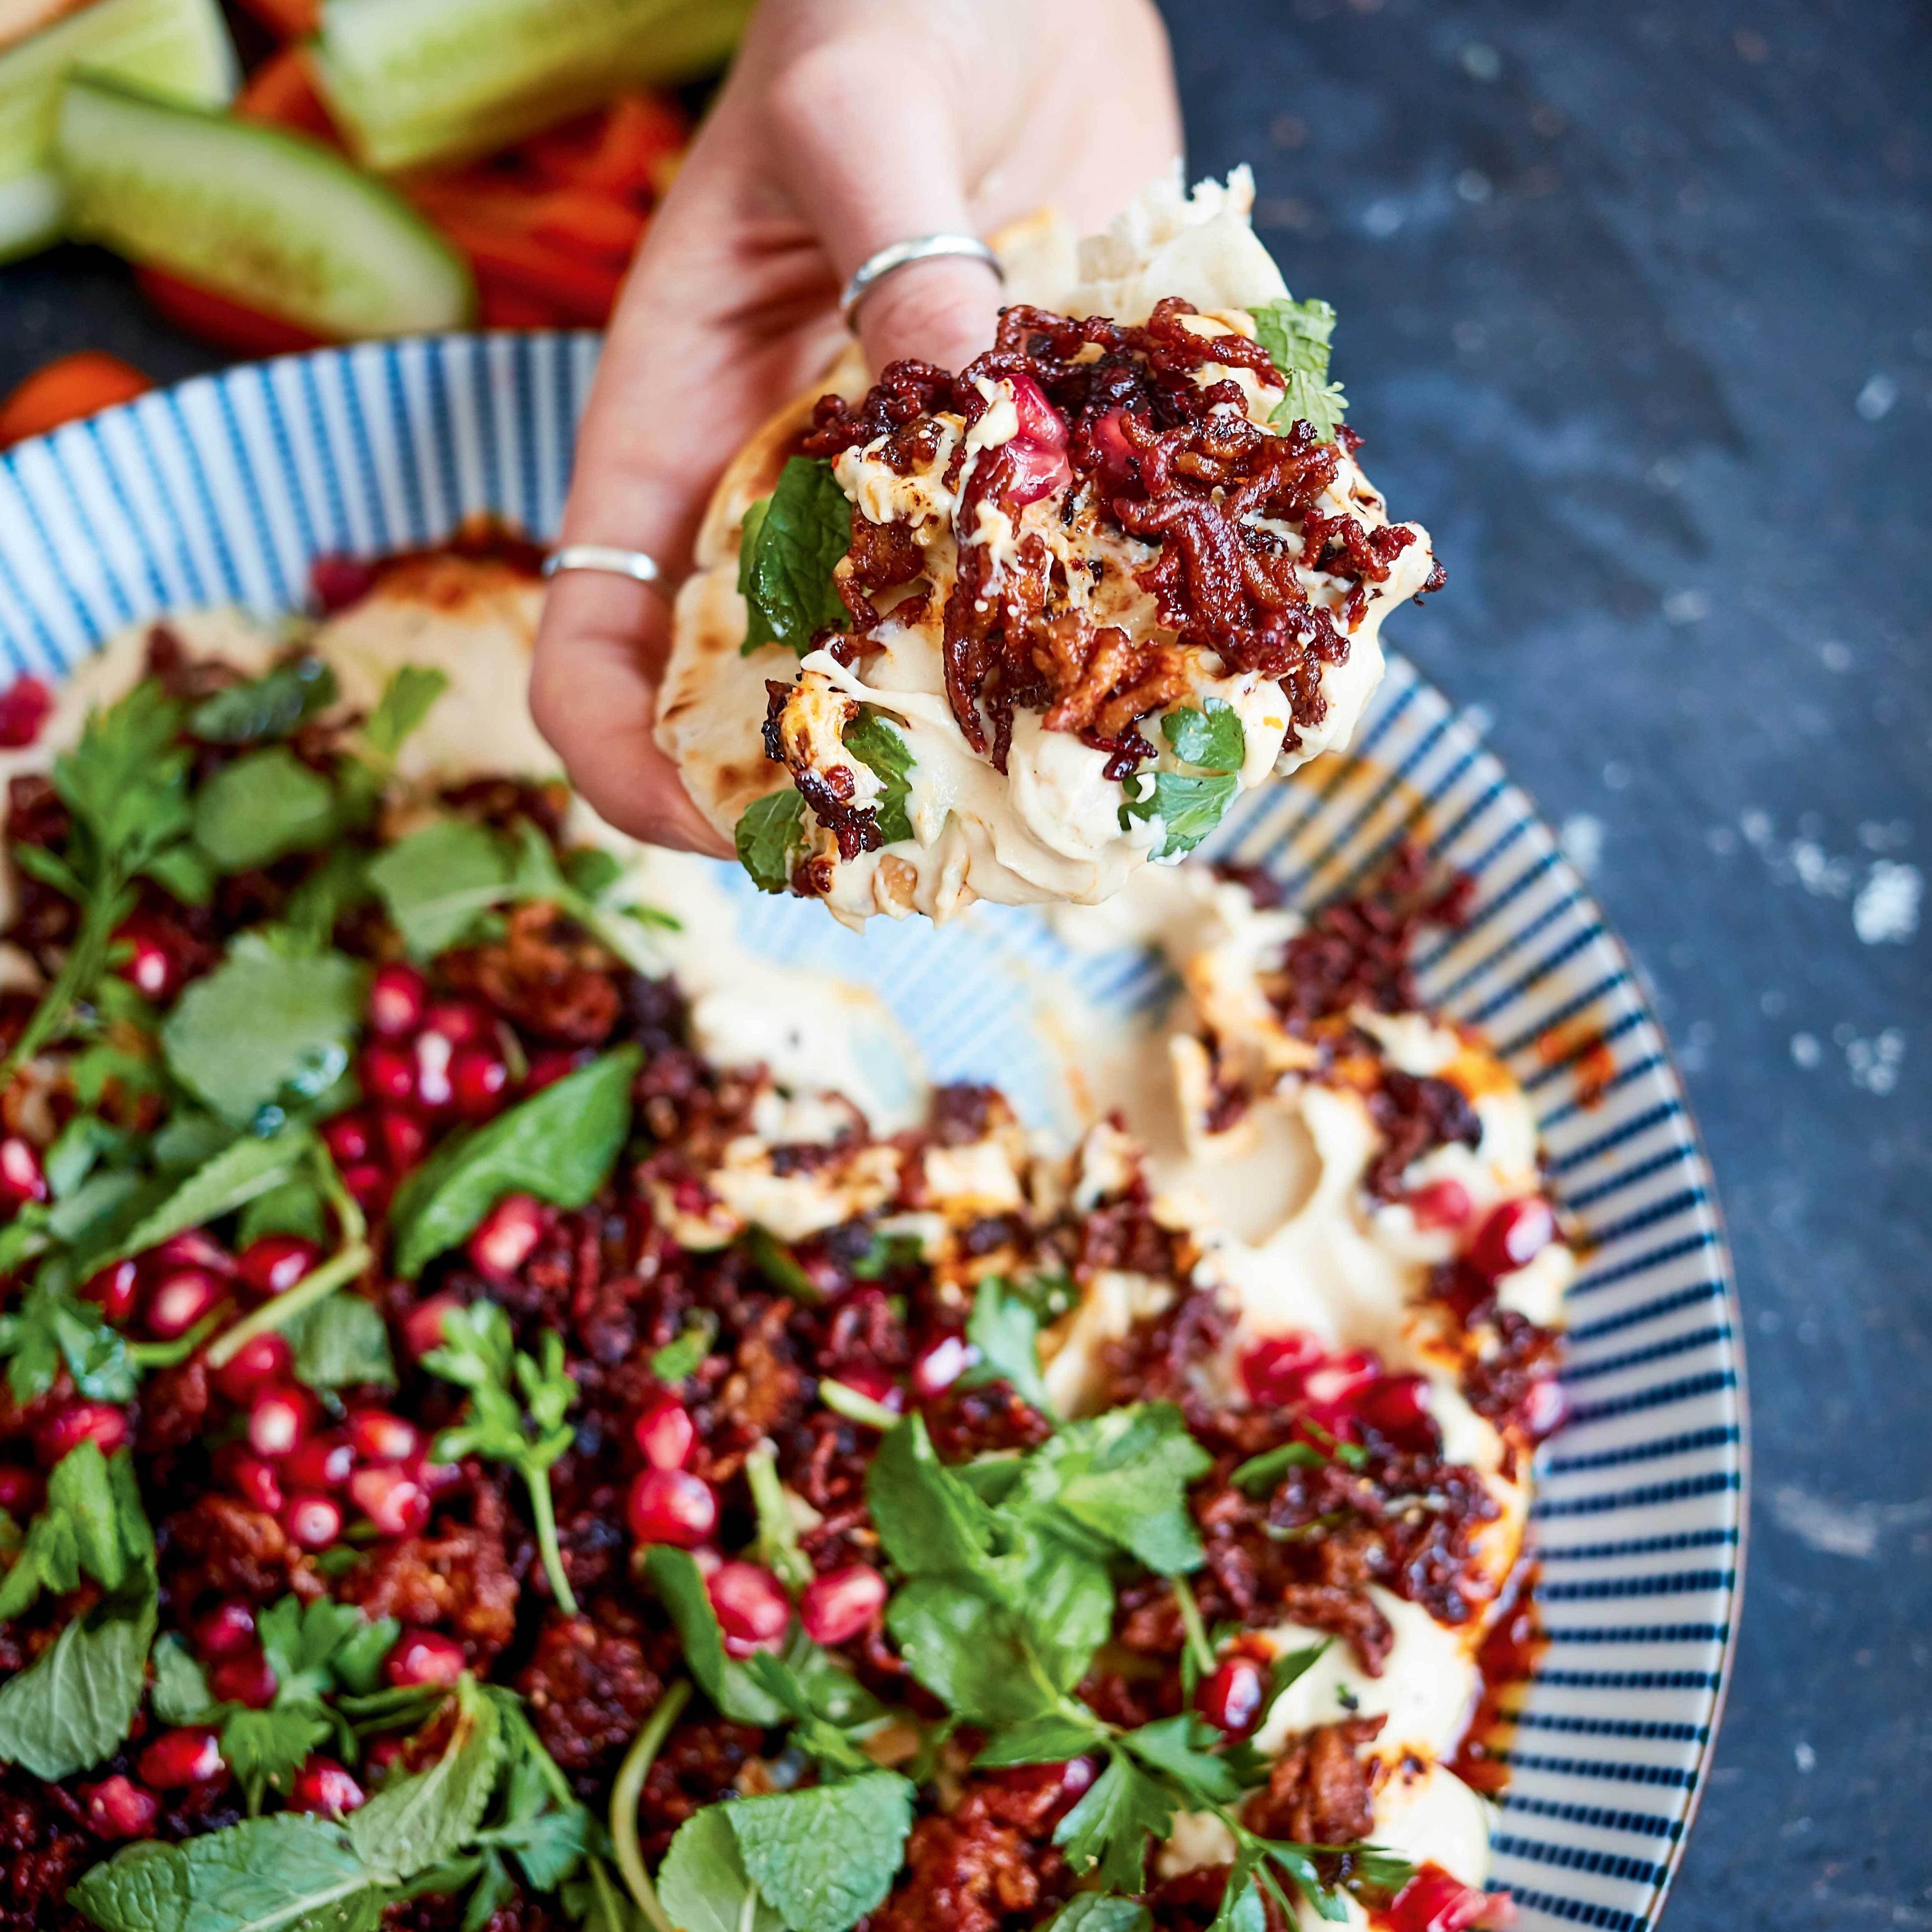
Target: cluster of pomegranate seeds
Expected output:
[25,705]
[1432,1901]
[841,1605]
[1231,1695]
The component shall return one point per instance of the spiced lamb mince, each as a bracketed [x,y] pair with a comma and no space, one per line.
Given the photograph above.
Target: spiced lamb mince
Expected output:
[1013,634]
[489,1428]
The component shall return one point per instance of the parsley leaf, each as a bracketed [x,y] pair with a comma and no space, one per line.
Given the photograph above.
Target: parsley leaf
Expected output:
[1048,1740]
[676,1359]
[1189,808]
[825,1856]
[262,806]
[1212,738]
[92,1522]
[878,745]
[269,707]
[1108,1829]
[505,1385]
[1297,335]
[181,1694]
[789,547]
[263,1026]
[53,1328]
[560,1145]
[1124,1475]
[771,829]
[1005,1329]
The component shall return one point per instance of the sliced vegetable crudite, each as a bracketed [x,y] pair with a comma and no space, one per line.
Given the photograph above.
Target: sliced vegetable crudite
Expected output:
[264,217]
[414,81]
[177,48]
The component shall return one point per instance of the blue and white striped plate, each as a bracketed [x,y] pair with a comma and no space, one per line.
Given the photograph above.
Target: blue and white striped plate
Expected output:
[222,490]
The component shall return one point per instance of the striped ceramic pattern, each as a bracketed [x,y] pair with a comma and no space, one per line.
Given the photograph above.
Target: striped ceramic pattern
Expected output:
[221,490]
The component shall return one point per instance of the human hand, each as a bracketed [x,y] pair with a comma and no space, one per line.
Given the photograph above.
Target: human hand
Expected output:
[845,126]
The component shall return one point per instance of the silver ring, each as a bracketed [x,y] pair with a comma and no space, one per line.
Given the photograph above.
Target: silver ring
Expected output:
[632,563]
[875,269]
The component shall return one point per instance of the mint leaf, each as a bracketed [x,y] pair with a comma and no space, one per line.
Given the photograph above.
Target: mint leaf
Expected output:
[261,1025]
[878,745]
[1005,1329]
[1212,739]
[291,1207]
[269,707]
[928,1520]
[1297,335]
[52,1330]
[244,1170]
[727,1682]
[265,805]
[75,1704]
[342,1342]
[676,1359]
[826,1856]
[1110,1826]
[404,704]
[1101,1911]
[437,881]
[771,831]
[419,1822]
[703,1884]
[180,1695]
[787,556]
[1188,807]
[560,1145]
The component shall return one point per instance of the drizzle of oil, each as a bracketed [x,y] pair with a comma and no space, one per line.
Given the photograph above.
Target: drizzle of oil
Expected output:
[1506,1659]
[1580,1045]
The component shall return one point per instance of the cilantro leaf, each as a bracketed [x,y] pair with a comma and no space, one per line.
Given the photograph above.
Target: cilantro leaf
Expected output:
[1005,1329]
[788,548]
[825,1856]
[703,1884]
[1212,738]
[1297,335]
[1189,808]
[262,807]
[1108,1829]
[300,1641]
[262,1025]
[404,704]
[560,1145]
[265,1749]
[676,1359]
[269,707]
[771,830]
[506,1385]
[871,740]
[75,1704]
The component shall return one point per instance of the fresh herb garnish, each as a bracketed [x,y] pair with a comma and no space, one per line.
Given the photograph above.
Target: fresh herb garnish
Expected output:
[791,544]
[777,1546]
[771,831]
[261,807]
[676,1359]
[93,1523]
[271,705]
[878,745]
[516,1414]
[1189,805]
[1297,335]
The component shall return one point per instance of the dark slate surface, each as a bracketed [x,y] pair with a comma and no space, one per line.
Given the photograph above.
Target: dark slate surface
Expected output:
[1636,314]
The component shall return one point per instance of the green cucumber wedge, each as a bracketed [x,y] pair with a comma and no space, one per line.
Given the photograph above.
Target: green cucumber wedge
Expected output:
[276,223]
[178,48]
[414,81]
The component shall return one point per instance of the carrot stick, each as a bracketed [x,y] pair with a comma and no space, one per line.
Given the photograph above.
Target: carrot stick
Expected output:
[596,225]
[286,20]
[619,155]
[64,391]
[280,91]
[216,318]
[585,292]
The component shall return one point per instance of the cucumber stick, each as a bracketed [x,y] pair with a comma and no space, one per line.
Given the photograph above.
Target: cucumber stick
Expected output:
[179,48]
[276,223]
[414,81]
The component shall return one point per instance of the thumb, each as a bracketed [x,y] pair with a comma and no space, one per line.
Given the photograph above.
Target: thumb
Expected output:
[870,162]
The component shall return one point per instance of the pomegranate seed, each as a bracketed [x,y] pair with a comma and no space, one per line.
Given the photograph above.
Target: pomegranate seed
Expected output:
[24,708]
[436,1477]
[671,1506]
[113,1289]
[754,1611]
[1117,458]
[336,582]
[179,1302]
[176,1758]
[117,1807]
[1338,1382]
[1432,1901]
[21,1490]
[550,1066]
[275,1263]
[665,1433]
[79,1422]
[422,1327]
[388,1073]
[940,1364]
[324,1788]
[1230,1697]
[313,1522]
[1512,1237]
[1442,1203]
[841,1604]
[425,1656]
[1039,421]
[1544,1408]
[405,1139]
[248,1680]
[1067,1783]
[263,1358]
[508,1236]
[430,1072]
[349,1138]
[398,996]
[381,1752]
[192,1249]
[393,1500]
[380,1437]
[281,1416]
[321,1462]
[478,1080]
[227,1630]
[1397,1408]
[255,1481]
[461,1022]
[22,1177]
[150,966]
[1273,1370]
[370,1187]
